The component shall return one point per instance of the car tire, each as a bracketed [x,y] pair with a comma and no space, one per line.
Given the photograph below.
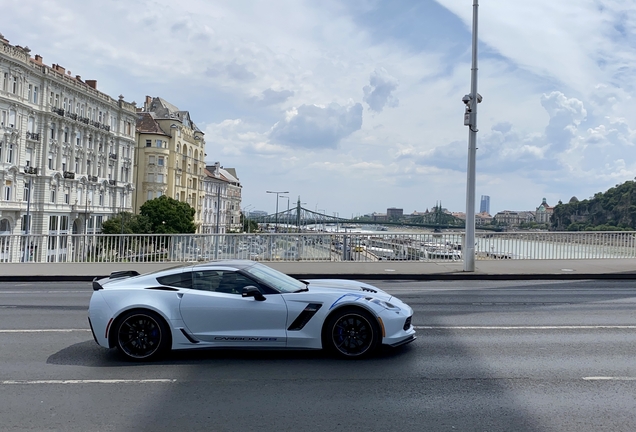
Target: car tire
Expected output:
[351,333]
[141,335]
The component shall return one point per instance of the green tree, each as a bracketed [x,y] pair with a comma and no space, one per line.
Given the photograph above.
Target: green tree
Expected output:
[127,223]
[169,216]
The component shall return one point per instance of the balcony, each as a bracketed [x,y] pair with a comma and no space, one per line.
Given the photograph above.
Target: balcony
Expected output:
[33,136]
[31,170]
[71,115]
[69,175]
[92,178]
[112,156]
[58,111]
[105,127]
[83,120]
[112,182]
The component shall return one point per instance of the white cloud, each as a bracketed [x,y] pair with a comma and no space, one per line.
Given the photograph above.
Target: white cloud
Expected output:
[378,93]
[316,127]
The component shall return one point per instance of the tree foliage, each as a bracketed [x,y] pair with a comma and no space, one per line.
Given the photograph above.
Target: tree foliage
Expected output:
[613,210]
[169,216]
[127,223]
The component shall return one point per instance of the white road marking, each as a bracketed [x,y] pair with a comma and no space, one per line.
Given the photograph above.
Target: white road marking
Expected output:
[600,378]
[564,327]
[88,381]
[78,291]
[43,330]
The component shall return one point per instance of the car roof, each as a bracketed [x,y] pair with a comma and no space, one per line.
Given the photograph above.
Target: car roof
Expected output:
[238,264]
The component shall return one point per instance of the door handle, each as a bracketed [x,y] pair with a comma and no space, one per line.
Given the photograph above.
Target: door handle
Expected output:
[180,295]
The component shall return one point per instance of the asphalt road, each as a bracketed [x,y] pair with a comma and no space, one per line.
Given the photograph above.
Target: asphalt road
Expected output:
[490,356]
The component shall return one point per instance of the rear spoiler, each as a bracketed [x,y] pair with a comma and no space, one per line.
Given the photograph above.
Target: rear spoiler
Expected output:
[114,275]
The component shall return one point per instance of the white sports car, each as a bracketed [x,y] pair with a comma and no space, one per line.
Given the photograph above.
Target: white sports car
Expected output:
[242,304]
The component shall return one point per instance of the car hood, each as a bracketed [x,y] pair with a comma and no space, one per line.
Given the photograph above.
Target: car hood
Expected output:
[343,285]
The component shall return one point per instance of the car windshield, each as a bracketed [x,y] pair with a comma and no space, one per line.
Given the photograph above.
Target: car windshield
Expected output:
[275,279]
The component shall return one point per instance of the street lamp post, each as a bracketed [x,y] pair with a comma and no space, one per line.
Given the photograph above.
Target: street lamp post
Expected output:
[30,172]
[276,215]
[470,119]
[286,214]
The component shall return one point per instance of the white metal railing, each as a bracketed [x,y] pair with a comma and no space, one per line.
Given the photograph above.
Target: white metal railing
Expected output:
[326,246]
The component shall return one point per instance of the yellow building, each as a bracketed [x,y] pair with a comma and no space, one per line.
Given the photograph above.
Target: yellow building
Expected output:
[170,157]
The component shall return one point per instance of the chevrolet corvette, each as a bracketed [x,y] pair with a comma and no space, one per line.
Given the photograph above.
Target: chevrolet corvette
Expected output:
[242,304]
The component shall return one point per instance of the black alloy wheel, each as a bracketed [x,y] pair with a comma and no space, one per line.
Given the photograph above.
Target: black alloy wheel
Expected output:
[142,335]
[352,333]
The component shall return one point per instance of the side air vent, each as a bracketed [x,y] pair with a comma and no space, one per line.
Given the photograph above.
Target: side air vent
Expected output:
[188,337]
[368,290]
[303,318]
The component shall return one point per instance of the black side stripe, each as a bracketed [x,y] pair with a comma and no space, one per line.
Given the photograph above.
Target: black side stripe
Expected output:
[303,318]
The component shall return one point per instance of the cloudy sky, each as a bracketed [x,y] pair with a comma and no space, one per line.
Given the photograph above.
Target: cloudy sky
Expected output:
[355,105]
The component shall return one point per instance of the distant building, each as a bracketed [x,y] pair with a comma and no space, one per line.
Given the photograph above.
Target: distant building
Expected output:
[513,218]
[484,207]
[170,157]
[394,213]
[379,217]
[222,200]
[544,212]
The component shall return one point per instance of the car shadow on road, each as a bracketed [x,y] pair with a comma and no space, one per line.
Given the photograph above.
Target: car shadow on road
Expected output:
[89,354]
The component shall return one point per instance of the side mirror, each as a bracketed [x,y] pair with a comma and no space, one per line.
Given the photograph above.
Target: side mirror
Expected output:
[252,291]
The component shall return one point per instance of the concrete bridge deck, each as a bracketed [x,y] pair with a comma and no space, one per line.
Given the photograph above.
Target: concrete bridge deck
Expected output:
[381,270]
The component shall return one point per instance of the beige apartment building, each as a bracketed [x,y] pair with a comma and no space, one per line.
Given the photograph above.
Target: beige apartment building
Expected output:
[170,157]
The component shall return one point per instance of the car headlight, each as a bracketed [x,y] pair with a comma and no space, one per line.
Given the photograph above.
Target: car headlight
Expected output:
[383,303]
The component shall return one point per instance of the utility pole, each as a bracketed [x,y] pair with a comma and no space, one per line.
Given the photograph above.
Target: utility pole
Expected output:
[470,119]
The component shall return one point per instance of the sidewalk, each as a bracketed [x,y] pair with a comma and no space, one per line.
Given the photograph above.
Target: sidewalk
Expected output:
[381,270]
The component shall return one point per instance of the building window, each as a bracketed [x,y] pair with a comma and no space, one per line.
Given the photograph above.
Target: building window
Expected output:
[151,177]
[64,163]
[14,88]
[159,178]
[29,156]
[67,195]
[160,160]
[7,190]
[149,195]
[78,138]
[35,94]
[52,130]
[30,92]
[10,153]
[148,143]
[101,198]
[159,144]
[151,160]
[50,161]
[53,195]
[52,223]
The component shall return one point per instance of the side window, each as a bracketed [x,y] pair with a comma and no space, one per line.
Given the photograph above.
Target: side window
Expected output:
[206,280]
[233,283]
[227,282]
[179,280]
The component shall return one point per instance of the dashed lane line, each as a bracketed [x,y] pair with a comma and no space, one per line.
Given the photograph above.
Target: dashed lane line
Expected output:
[89,381]
[563,327]
[43,330]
